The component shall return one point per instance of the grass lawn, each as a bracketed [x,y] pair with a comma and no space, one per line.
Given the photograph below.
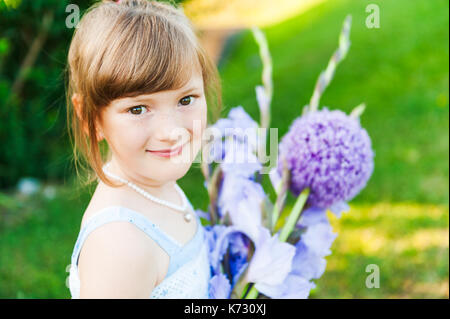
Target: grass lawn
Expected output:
[399,222]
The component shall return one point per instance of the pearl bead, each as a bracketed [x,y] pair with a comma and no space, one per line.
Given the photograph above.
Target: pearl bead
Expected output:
[188,217]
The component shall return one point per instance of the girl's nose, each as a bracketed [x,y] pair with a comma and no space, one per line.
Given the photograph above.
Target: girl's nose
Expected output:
[167,128]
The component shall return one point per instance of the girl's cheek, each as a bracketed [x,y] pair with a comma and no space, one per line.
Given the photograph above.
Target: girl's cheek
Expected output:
[202,114]
[130,136]
[196,121]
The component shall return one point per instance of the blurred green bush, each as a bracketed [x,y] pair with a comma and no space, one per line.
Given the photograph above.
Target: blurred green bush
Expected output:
[34,41]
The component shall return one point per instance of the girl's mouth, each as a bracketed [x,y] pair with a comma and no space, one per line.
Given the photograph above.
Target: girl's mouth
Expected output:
[168,153]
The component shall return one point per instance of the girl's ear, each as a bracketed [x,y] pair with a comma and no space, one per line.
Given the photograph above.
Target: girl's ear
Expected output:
[99,131]
[78,104]
[99,135]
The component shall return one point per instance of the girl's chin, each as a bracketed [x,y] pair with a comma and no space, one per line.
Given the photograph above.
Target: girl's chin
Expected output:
[170,171]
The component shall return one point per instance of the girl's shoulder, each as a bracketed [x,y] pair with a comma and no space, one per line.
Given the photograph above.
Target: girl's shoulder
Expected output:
[151,225]
[106,201]
[105,259]
[100,200]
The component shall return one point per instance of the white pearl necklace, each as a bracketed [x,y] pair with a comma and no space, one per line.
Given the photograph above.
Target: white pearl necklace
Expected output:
[183,208]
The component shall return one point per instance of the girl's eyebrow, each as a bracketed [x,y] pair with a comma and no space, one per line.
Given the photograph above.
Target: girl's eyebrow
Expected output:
[125,102]
[147,97]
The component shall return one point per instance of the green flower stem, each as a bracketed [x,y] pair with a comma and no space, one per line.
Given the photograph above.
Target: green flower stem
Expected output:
[239,290]
[280,191]
[244,290]
[252,294]
[276,210]
[294,215]
[275,214]
[327,75]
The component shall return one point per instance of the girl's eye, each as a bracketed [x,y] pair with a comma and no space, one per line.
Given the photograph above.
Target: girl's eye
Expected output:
[187,100]
[136,110]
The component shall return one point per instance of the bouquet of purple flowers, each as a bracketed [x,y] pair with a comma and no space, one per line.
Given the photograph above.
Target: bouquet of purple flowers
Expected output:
[324,160]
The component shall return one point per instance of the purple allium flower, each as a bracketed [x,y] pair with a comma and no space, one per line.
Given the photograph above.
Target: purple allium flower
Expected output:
[329,152]
[219,287]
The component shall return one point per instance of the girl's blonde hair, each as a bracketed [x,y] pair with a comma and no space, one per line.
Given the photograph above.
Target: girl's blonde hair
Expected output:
[126,49]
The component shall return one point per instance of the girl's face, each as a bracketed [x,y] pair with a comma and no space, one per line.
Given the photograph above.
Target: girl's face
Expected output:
[137,127]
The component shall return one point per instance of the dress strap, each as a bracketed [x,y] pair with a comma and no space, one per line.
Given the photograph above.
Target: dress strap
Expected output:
[119,213]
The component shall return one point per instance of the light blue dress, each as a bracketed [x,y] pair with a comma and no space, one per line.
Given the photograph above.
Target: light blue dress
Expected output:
[189,271]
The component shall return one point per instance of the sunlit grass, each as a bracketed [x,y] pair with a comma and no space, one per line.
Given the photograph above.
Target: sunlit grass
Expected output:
[408,241]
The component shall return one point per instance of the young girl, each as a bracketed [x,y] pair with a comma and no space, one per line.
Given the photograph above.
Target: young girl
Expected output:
[139,82]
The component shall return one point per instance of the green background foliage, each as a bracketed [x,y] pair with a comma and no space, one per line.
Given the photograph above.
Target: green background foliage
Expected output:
[34,116]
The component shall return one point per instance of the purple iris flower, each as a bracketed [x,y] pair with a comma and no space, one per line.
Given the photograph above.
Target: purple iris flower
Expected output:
[202,214]
[219,287]
[217,243]
[237,119]
[238,125]
[314,244]
[238,253]
[271,261]
[307,263]
[339,207]
[241,198]
[312,216]
[318,238]
[239,158]
[221,239]
[292,287]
